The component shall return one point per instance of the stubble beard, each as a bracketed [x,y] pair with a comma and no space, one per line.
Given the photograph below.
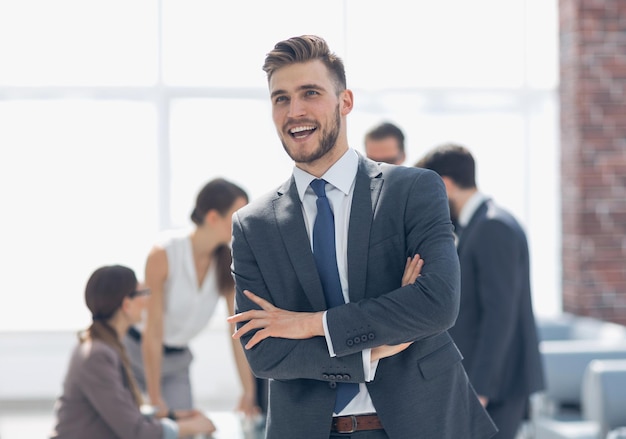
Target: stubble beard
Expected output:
[327,142]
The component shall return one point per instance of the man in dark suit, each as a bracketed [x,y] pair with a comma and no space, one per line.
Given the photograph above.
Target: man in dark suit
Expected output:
[386,345]
[495,330]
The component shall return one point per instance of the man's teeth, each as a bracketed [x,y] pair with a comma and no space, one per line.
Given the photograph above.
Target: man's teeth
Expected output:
[300,129]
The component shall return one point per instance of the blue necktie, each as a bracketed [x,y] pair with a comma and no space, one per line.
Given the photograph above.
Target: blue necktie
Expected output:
[326,261]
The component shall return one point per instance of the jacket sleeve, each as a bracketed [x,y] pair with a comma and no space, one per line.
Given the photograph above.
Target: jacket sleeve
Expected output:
[102,384]
[280,358]
[419,310]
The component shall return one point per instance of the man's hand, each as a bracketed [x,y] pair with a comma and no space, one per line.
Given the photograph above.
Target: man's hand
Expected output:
[183,414]
[412,269]
[483,400]
[275,322]
[384,351]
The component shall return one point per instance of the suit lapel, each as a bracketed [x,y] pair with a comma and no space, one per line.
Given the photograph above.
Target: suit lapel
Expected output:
[290,222]
[367,188]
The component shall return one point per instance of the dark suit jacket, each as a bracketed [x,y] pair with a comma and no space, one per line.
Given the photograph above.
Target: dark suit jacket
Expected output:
[396,212]
[496,329]
[96,403]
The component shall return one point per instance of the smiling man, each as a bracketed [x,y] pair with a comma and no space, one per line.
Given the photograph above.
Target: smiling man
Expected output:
[327,303]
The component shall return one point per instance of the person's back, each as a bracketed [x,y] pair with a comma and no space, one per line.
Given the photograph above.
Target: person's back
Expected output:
[495,329]
[511,375]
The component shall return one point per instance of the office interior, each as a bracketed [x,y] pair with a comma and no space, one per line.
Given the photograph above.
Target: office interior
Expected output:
[113,114]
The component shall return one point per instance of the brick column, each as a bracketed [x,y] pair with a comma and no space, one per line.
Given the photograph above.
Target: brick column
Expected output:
[593,157]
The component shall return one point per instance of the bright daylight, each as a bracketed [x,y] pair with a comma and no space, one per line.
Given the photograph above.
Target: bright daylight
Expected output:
[167,263]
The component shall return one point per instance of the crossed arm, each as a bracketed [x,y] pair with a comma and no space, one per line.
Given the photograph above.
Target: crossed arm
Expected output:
[279,323]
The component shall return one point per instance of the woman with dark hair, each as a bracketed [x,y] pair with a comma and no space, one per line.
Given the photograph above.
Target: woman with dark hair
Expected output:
[100,396]
[188,273]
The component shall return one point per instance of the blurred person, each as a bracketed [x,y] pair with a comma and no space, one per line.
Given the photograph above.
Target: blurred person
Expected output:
[100,398]
[495,329]
[188,273]
[385,143]
[352,350]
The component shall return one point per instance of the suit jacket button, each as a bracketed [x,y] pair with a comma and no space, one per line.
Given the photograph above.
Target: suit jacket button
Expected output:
[364,338]
[332,377]
[349,342]
[325,376]
[371,336]
[332,385]
[357,340]
[346,377]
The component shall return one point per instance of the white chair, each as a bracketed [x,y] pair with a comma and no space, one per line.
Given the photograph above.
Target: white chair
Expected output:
[602,401]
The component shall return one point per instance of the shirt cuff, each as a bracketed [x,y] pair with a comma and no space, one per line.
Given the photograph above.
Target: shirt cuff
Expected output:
[369,366]
[170,428]
[329,342]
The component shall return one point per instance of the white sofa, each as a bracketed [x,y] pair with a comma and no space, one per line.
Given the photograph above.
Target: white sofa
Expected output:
[571,405]
[603,406]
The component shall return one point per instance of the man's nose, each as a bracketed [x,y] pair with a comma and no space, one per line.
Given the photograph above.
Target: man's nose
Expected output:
[296,108]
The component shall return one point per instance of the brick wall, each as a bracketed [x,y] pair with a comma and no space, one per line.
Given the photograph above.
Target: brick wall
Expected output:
[593,156]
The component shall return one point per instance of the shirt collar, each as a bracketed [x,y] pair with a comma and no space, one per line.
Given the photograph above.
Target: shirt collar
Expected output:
[341,174]
[470,208]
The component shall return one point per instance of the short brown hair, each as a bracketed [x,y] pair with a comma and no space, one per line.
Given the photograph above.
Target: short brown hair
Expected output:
[453,161]
[302,49]
[384,130]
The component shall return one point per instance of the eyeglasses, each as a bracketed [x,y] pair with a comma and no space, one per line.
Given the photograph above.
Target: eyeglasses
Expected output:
[137,293]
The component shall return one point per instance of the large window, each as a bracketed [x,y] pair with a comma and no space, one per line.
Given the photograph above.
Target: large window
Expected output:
[114,113]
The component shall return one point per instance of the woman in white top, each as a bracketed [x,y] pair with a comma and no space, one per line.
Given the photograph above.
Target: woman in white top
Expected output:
[187,275]
[100,397]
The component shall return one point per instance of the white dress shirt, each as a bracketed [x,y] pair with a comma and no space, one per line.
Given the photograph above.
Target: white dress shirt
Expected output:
[339,190]
[468,210]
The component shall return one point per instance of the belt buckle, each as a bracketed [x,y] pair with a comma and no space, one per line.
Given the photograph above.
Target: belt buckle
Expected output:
[354,425]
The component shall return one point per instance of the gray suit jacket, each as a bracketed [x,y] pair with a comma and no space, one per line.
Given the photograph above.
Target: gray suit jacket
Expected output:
[96,403]
[396,212]
[496,329]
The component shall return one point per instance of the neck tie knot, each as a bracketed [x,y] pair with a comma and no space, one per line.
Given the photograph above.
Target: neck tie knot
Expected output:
[319,187]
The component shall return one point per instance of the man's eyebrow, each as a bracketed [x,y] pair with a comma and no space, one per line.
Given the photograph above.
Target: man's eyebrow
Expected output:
[300,88]
[277,92]
[310,87]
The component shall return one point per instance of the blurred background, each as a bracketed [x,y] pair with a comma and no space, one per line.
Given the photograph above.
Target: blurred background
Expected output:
[114,114]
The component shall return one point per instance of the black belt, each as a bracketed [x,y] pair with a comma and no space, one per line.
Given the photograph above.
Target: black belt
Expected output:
[352,423]
[136,335]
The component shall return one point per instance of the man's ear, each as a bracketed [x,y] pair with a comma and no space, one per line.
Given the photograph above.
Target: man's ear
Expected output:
[347,102]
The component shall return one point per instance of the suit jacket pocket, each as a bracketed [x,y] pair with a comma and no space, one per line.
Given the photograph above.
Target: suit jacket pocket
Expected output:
[439,361]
